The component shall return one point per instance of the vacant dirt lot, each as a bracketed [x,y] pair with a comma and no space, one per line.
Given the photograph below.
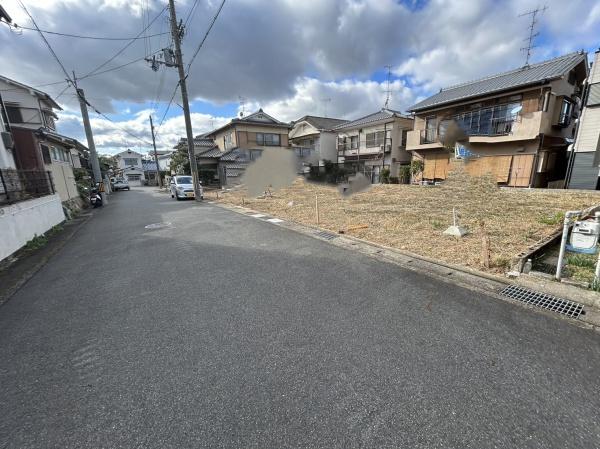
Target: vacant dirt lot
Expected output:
[413,218]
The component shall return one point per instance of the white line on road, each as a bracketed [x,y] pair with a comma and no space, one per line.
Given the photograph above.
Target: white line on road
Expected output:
[258,215]
[275,220]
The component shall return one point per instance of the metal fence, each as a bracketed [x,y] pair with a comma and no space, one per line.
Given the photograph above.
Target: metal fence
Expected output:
[21,185]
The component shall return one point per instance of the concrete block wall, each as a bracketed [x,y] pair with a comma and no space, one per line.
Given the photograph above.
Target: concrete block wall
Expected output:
[20,222]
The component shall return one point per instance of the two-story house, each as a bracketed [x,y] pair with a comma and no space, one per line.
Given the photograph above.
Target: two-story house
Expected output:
[242,141]
[313,138]
[130,167]
[583,171]
[375,142]
[515,125]
[30,115]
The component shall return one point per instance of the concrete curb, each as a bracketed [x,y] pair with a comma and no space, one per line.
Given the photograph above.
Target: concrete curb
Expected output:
[66,235]
[471,279]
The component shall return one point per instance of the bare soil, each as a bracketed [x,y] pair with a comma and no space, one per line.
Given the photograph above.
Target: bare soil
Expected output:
[413,218]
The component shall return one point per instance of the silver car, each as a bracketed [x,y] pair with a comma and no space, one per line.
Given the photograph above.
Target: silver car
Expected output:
[182,186]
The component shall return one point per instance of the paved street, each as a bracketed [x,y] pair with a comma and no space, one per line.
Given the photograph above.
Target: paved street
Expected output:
[224,331]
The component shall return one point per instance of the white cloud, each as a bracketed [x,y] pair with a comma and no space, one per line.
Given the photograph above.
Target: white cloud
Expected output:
[349,99]
[111,137]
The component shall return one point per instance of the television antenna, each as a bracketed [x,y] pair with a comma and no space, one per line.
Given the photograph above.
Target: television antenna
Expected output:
[242,101]
[325,101]
[532,33]
[388,90]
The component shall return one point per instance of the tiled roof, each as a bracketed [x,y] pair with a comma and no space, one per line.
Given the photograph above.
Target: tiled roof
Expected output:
[322,123]
[230,156]
[533,74]
[236,166]
[384,114]
[211,152]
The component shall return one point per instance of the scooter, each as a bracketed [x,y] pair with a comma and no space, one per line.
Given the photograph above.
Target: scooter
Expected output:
[95,198]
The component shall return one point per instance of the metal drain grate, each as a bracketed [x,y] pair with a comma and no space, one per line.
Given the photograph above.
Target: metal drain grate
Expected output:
[326,235]
[548,302]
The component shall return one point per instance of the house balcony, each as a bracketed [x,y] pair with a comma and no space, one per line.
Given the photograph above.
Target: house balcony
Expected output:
[346,149]
[484,129]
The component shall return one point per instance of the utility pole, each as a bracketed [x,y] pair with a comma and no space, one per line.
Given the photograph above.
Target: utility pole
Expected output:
[88,132]
[155,154]
[175,33]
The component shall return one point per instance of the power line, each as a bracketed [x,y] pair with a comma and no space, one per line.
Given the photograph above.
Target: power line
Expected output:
[78,36]
[47,43]
[191,13]
[214,19]
[126,46]
[117,125]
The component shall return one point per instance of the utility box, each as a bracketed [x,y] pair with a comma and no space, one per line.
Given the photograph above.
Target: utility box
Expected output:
[584,236]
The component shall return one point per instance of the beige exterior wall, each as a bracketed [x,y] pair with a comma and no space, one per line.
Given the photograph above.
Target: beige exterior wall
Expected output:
[244,136]
[531,122]
[64,179]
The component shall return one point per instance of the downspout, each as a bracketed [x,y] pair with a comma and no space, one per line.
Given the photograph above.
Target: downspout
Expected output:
[533,175]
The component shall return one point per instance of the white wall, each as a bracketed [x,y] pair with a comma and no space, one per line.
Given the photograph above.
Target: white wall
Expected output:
[20,222]
[6,157]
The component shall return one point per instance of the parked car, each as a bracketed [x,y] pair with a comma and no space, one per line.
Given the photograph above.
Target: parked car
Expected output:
[182,186]
[121,184]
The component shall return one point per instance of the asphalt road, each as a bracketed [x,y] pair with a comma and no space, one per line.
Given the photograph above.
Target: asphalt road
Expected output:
[224,331]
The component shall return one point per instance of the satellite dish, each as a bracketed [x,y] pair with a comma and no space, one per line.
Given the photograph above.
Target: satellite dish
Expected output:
[516,109]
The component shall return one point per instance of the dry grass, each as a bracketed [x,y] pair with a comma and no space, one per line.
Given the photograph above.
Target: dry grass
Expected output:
[413,218]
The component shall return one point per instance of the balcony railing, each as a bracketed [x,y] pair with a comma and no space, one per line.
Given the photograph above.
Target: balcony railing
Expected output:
[21,185]
[362,146]
[429,136]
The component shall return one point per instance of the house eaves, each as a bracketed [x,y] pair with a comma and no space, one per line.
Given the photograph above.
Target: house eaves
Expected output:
[38,93]
[531,75]
[383,116]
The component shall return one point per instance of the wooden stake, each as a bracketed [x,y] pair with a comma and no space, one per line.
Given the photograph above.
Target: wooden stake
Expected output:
[317,208]
[485,246]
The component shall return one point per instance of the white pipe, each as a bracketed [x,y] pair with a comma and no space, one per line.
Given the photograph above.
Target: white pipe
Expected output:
[563,242]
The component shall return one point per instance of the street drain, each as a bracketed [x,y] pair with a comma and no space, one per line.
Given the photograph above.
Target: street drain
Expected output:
[158,225]
[545,301]
[326,235]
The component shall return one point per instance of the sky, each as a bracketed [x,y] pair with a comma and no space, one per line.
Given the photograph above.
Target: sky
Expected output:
[289,57]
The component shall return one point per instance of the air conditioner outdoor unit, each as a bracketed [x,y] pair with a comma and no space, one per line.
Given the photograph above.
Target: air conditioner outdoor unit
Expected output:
[7,140]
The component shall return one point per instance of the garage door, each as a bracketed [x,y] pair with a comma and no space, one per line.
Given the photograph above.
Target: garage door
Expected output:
[134,180]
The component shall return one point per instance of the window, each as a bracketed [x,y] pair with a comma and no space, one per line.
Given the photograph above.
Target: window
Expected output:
[130,161]
[14,114]
[354,142]
[302,151]
[593,98]
[375,139]
[267,139]
[566,110]
[46,154]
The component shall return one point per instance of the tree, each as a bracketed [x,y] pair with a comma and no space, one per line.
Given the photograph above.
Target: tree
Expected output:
[180,163]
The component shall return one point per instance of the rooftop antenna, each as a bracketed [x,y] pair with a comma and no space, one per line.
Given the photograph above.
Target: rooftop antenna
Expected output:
[242,105]
[388,90]
[325,101]
[532,34]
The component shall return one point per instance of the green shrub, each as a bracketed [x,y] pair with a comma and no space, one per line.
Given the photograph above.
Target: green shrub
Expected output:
[37,242]
[581,260]
[385,176]
[404,173]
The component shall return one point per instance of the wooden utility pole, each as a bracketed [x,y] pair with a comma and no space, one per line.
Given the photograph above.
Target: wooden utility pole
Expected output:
[175,33]
[83,104]
[155,154]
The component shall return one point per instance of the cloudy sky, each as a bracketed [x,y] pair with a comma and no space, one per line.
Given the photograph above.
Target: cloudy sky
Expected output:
[290,57]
